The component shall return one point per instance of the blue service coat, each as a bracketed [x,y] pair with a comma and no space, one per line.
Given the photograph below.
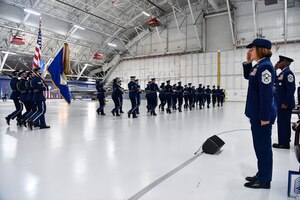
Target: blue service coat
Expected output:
[38,88]
[285,88]
[260,104]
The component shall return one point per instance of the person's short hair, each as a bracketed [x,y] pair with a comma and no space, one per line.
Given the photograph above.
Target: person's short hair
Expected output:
[263,52]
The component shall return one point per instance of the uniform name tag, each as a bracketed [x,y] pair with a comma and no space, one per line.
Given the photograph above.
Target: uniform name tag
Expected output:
[253,72]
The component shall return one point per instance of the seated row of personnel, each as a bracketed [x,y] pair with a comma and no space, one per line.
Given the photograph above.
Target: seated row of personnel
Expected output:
[27,89]
[170,95]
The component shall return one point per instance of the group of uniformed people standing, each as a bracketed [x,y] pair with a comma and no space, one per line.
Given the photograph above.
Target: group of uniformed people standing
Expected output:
[27,90]
[269,95]
[171,95]
[191,96]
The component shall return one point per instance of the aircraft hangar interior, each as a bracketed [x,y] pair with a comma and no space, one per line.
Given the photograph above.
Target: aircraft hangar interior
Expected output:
[149,99]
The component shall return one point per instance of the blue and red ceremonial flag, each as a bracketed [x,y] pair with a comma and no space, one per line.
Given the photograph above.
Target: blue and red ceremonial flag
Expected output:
[59,69]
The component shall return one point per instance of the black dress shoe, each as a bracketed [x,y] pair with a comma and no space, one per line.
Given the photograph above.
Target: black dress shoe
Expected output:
[128,114]
[251,178]
[98,112]
[257,185]
[7,120]
[113,112]
[42,127]
[30,124]
[281,146]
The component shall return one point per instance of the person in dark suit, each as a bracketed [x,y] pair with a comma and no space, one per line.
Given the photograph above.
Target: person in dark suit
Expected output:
[285,89]
[260,109]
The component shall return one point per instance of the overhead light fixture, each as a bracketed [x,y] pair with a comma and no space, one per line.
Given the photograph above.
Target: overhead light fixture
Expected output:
[79,27]
[146,14]
[32,12]
[7,52]
[111,44]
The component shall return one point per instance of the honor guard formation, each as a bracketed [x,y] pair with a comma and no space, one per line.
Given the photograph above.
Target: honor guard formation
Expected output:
[171,97]
[27,91]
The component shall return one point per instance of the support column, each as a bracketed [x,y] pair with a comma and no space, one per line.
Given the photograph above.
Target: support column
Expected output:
[219,67]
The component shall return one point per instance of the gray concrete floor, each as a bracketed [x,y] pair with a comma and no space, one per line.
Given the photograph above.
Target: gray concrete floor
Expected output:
[89,157]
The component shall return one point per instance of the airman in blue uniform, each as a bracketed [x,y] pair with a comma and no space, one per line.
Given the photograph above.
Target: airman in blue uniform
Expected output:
[168,95]
[121,96]
[218,92]
[204,96]
[214,96]
[101,97]
[185,97]
[15,96]
[190,95]
[133,92]
[117,90]
[285,89]
[180,91]
[174,98]
[138,97]
[200,95]
[260,109]
[147,91]
[38,97]
[153,89]
[162,97]
[23,96]
[30,95]
[222,96]
[208,96]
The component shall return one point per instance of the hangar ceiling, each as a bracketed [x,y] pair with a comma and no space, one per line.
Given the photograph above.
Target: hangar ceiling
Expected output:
[87,25]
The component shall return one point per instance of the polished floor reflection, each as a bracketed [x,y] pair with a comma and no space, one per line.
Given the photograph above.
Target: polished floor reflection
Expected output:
[84,156]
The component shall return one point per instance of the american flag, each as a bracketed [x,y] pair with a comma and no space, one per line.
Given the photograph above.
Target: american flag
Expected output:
[38,48]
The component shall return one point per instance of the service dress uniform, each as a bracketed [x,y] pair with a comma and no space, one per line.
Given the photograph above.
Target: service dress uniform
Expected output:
[214,96]
[153,89]
[168,95]
[133,92]
[101,97]
[260,106]
[180,91]
[162,97]
[208,95]
[285,89]
[39,116]
[15,96]
[117,90]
